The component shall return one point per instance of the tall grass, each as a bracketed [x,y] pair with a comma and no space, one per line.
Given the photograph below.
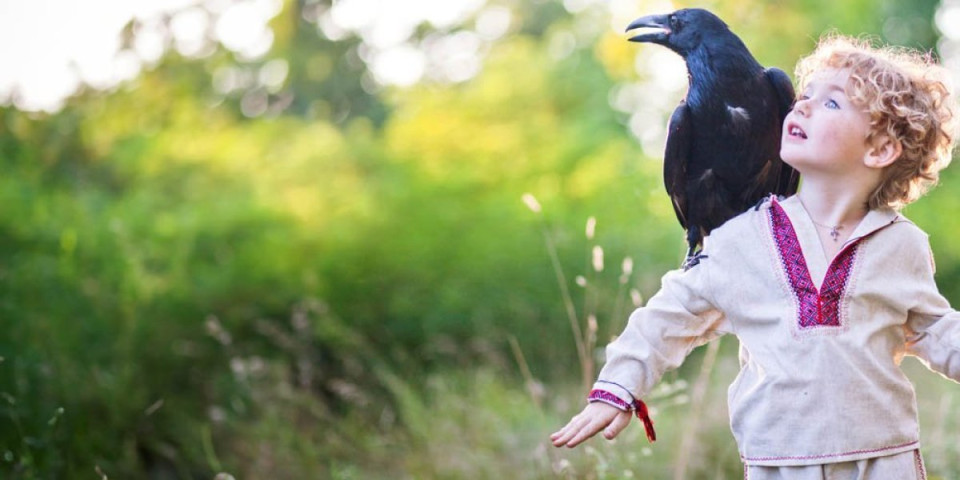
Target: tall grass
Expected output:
[482,424]
[585,327]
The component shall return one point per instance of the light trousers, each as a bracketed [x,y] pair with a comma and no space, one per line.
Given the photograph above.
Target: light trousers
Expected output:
[901,466]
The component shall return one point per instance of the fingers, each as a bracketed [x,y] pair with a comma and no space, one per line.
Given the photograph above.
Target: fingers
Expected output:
[562,436]
[588,423]
[590,429]
[573,430]
[617,425]
[574,434]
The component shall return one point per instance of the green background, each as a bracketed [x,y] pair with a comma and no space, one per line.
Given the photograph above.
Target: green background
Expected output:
[349,285]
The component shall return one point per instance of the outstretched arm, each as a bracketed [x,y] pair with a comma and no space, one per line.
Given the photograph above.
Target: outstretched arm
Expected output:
[595,417]
[932,330]
[658,336]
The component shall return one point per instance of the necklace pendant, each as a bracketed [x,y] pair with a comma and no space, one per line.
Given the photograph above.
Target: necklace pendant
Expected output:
[835,233]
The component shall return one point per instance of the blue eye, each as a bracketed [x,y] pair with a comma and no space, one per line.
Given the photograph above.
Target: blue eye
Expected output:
[832,104]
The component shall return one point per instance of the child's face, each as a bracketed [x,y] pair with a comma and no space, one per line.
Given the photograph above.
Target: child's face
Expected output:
[825,132]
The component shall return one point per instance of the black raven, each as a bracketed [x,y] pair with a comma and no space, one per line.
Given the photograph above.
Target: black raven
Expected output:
[723,141]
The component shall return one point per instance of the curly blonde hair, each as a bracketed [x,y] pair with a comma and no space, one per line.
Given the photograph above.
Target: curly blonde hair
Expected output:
[908,96]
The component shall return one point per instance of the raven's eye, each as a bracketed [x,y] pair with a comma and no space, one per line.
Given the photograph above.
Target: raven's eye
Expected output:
[674,23]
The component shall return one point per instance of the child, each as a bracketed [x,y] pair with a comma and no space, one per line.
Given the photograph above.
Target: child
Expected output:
[826,290]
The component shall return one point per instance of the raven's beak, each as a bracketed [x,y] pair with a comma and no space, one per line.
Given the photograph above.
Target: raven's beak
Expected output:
[660,22]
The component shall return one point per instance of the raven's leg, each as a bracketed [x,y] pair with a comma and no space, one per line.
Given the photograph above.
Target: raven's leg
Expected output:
[694,252]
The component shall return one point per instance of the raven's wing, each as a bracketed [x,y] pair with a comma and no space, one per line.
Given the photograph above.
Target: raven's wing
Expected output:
[675,158]
[788,178]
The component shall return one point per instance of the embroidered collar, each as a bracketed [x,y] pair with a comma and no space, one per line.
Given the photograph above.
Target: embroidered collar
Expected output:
[817,307]
[809,240]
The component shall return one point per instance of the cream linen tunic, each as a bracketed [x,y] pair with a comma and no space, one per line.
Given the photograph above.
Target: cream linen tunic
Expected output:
[820,342]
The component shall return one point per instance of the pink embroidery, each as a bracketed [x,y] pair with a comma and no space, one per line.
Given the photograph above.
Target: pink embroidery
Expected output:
[920,468]
[814,308]
[832,455]
[607,397]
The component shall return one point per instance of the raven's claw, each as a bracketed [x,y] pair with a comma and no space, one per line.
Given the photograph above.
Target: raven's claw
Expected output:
[693,260]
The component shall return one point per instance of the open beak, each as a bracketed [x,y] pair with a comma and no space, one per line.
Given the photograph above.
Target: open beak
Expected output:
[658,22]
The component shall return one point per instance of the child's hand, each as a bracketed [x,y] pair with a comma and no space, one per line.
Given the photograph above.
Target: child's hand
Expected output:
[595,417]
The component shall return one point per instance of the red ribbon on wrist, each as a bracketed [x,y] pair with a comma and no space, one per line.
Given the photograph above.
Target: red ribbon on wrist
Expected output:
[638,406]
[644,416]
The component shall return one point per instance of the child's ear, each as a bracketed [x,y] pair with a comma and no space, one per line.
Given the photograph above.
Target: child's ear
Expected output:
[884,151]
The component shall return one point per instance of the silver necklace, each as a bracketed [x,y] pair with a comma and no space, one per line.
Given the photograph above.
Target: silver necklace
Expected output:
[834,230]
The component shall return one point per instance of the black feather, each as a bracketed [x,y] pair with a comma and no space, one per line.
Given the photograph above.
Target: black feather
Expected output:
[723,142]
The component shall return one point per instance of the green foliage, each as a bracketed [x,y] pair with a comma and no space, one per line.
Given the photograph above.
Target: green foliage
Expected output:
[329,290]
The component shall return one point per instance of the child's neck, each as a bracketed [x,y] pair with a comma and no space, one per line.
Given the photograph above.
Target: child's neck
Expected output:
[835,212]
[832,207]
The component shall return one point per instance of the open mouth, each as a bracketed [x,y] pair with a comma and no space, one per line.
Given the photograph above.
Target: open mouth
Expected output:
[795,131]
